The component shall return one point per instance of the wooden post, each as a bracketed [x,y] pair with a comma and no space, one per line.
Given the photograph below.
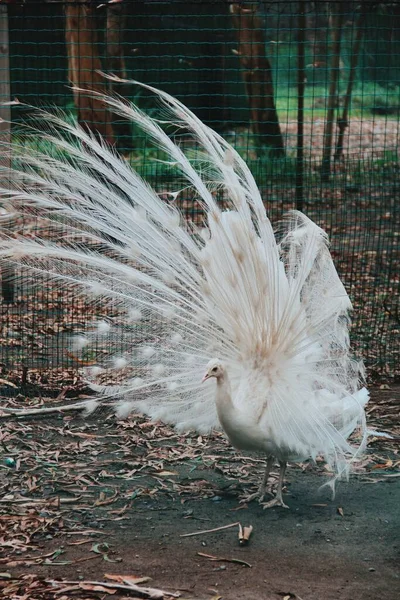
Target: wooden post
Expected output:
[336,25]
[343,121]
[115,64]
[5,110]
[257,77]
[301,79]
[7,270]
[83,64]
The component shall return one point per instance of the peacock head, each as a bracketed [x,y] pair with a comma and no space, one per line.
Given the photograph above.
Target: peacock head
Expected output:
[215,369]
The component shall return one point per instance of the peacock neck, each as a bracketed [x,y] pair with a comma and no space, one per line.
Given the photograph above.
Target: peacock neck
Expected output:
[228,415]
[223,397]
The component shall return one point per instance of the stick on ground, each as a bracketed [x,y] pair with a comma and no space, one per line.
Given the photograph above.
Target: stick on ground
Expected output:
[209,530]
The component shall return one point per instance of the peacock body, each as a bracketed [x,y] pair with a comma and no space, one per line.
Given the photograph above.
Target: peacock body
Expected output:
[264,314]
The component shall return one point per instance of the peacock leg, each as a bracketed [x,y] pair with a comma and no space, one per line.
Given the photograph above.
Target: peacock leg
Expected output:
[260,493]
[278,500]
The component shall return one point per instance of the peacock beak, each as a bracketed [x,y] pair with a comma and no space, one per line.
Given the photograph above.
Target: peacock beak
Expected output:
[206,376]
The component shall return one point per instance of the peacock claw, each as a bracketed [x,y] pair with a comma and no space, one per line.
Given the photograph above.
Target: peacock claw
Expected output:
[258,495]
[251,497]
[275,502]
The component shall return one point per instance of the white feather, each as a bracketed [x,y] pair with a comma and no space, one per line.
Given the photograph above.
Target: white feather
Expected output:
[120,362]
[158,369]
[134,315]
[272,309]
[103,327]
[176,339]
[148,351]
[79,342]
[90,406]
[124,409]
[373,432]
[93,371]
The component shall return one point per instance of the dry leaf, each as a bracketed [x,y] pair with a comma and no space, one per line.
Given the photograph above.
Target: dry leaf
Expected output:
[97,588]
[127,579]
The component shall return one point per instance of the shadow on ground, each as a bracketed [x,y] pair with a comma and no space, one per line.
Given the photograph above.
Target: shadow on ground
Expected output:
[85,500]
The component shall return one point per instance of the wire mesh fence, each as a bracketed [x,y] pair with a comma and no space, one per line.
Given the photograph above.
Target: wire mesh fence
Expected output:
[307,92]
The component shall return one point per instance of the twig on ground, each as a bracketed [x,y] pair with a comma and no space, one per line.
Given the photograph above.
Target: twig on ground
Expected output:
[222,559]
[29,412]
[143,592]
[209,530]
[32,501]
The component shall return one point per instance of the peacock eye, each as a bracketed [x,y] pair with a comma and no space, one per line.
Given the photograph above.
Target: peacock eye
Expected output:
[214,370]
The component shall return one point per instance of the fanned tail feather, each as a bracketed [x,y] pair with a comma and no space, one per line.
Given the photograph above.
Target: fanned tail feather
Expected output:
[274,311]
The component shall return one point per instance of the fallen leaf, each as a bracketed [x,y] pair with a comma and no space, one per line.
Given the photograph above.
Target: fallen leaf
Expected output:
[387,465]
[222,559]
[97,588]
[102,548]
[128,579]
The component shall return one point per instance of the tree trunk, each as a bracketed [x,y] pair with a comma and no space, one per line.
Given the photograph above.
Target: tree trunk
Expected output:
[317,35]
[336,26]
[257,77]
[7,270]
[83,64]
[342,121]
[301,80]
[115,64]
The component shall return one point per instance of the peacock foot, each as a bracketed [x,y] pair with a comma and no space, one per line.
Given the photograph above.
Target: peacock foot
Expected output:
[277,501]
[258,495]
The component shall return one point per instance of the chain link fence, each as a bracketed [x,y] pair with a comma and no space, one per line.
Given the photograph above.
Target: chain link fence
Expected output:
[308,92]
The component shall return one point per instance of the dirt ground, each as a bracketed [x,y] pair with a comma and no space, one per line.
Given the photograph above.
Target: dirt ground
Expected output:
[84,500]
